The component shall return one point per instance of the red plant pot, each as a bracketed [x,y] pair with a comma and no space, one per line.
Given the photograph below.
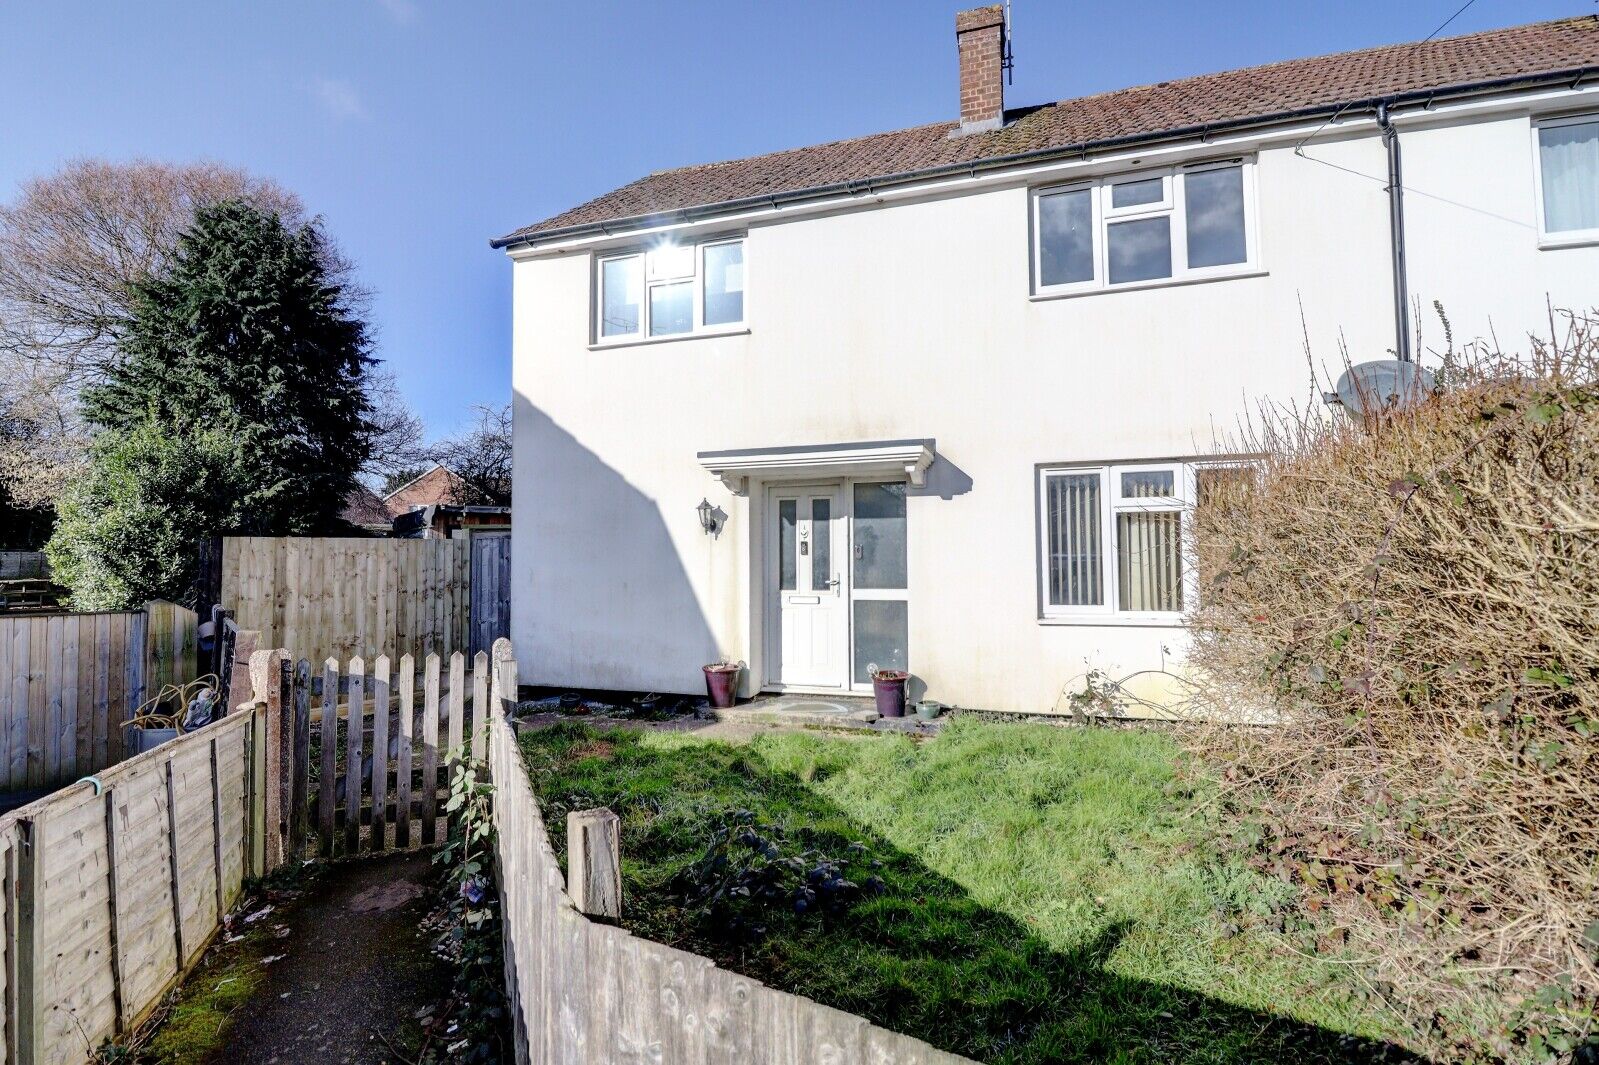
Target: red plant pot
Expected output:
[721,685]
[888,686]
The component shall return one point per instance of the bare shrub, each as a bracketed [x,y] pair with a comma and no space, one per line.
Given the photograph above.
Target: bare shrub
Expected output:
[1417,600]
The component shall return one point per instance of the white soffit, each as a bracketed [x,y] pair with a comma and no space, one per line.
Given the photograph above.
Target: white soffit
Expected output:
[892,459]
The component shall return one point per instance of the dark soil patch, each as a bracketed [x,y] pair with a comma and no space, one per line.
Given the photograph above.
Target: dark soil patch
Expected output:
[597,749]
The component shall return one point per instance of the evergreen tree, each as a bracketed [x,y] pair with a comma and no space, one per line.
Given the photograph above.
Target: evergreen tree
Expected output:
[247,335]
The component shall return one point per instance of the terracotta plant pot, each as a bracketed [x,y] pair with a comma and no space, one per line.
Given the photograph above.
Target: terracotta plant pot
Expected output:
[721,685]
[888,685]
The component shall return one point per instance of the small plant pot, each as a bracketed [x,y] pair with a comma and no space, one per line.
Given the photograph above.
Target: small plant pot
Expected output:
[721,685]
[888,686]
[928,709]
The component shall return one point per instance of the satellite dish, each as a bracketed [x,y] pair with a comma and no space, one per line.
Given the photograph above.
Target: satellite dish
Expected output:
[1383,384]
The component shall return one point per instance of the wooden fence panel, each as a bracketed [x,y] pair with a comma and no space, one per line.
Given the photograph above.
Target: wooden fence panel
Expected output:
[69,681]
[111,890]
[170,646]
[147,932]
[346,597]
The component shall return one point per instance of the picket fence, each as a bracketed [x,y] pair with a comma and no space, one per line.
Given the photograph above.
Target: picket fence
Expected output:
[375,779]
[68,683]
[114,887]
[348,597]
[583,991]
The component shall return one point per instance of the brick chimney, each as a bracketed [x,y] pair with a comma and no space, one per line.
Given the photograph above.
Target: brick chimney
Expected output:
[980,38]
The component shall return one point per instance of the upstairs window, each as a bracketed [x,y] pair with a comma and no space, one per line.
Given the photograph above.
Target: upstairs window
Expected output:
[1568,178]
[670,290]
[1144,228]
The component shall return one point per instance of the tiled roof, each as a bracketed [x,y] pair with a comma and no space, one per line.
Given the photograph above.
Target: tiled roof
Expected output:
[1297,86]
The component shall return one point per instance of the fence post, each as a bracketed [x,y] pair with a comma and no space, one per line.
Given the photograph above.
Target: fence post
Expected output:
[270,676]
[300,783]
[238,679]
[25,1019]
[505,679]
[594,862]
[256,789]
[118,969]
[180,942]
[13,894]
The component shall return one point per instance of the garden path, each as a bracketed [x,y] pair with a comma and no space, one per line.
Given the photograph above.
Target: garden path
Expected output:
[357,969]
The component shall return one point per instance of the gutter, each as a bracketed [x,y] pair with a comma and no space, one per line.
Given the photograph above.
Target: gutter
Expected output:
[1423,97]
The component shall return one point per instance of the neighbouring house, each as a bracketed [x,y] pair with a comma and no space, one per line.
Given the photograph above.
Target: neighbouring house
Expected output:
[938,398]
[435,485]
[431,506]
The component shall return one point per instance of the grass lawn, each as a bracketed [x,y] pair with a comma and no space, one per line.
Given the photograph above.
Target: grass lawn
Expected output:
[1050,896]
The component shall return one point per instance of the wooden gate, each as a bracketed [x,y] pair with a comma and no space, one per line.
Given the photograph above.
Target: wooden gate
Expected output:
[370,756]
[491,588]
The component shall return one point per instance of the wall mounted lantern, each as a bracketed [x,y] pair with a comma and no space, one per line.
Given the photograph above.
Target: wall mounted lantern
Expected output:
[707,515]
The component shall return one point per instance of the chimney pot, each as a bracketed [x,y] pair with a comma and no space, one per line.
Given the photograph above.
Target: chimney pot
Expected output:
[980,41]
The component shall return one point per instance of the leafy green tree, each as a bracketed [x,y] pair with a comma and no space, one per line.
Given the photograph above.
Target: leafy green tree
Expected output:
[126,531]
[246,333]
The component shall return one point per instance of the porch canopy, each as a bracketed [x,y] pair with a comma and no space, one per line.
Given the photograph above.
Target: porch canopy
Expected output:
[888,459]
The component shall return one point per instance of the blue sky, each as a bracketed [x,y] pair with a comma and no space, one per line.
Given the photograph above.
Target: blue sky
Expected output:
[420,128]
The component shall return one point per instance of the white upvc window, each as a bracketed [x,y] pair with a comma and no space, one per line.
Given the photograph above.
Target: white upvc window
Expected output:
[669,290]
[1566,162]
[1110,538]
[1148,227]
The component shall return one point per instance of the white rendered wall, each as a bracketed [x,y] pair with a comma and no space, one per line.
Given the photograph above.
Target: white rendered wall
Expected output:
[914,321]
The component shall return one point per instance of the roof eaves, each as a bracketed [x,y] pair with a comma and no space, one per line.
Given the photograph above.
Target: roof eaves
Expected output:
[1427,96]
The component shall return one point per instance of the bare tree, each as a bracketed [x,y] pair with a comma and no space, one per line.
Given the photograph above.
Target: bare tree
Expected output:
[72,246]
[397,431]
[481,458]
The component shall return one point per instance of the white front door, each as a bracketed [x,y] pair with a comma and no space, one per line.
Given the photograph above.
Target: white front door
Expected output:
[805,577]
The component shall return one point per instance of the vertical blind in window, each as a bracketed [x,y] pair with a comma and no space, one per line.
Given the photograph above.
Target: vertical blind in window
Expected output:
[1149,560]
[1569,160]
[1074,540]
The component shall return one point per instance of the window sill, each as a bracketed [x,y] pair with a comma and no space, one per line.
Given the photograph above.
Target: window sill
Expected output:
[1143,286]
[634,342]
[1135,621]
[1575,240]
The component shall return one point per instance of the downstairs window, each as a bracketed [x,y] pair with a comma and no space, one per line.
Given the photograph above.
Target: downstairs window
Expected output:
[1111,537]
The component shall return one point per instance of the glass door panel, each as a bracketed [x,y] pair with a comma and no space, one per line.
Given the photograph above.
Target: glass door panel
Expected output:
[879,590]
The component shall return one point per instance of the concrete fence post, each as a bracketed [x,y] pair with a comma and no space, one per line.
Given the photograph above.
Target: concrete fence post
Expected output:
[594,862]
[272,681]
[505,678]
